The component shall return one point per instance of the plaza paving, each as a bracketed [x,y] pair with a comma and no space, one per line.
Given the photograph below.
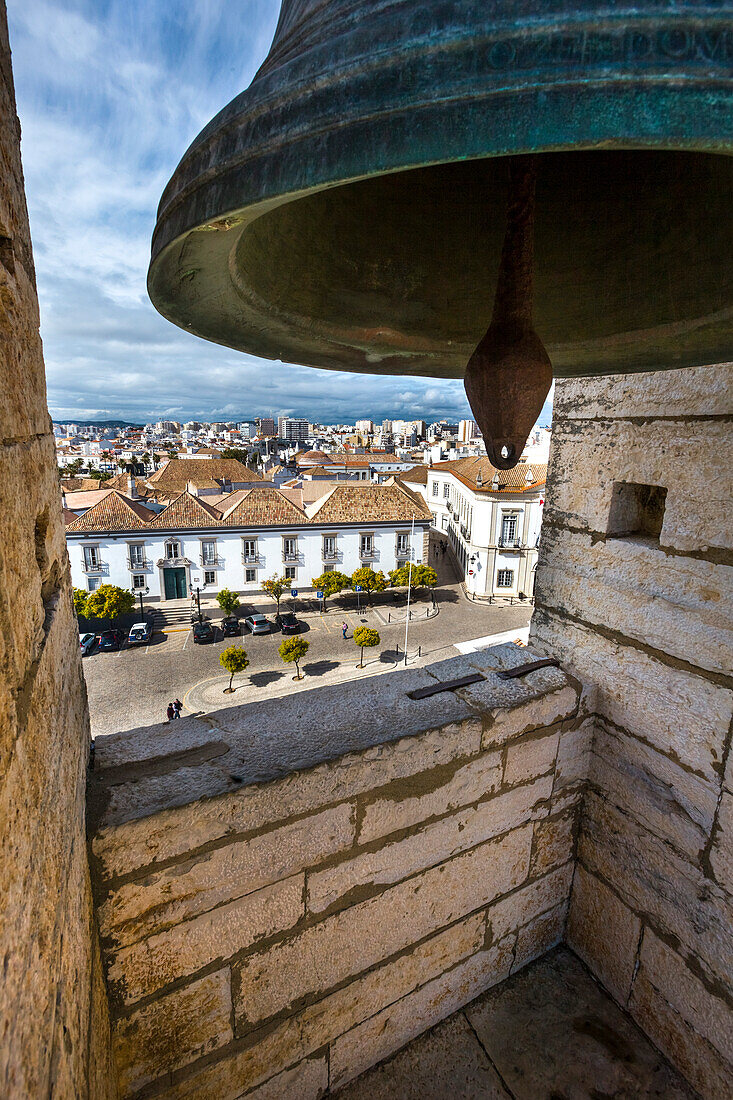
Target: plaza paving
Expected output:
[133,687]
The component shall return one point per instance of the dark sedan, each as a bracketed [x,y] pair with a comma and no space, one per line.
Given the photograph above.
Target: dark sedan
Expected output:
[287,623]
[230,627]
[111,639]
[203,632]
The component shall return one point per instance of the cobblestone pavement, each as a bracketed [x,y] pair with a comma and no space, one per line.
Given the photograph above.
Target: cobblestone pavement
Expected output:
[132,688]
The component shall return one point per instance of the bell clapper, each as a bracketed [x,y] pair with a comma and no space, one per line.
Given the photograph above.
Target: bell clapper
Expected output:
[509,374]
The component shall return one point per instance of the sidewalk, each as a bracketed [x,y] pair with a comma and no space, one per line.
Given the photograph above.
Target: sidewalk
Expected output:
[208,695]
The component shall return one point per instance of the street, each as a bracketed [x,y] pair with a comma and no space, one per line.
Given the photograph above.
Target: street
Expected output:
[131,688]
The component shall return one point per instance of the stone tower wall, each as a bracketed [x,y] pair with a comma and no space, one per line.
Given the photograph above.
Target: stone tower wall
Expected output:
[643,615]
[53,1015]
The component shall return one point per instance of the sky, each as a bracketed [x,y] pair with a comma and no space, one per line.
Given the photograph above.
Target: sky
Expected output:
[110,94]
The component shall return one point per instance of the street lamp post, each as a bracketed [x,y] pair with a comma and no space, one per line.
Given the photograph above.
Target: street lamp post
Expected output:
[409,584]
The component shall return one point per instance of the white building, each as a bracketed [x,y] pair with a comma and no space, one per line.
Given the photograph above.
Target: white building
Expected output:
[292,428]
[492,519]
[248,537]
[467,430]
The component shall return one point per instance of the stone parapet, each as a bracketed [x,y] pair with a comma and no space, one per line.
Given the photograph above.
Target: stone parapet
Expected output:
[287,892]
[640,612]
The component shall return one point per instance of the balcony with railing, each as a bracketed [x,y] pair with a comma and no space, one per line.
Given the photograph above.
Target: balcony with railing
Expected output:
[251,558]
[510,544]
[211,561]
[368,553]
[404,551]
[330,555]
[94,566]
[143,565]
[291,555]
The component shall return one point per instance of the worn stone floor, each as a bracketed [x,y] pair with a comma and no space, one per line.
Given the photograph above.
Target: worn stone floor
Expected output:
[548,1033]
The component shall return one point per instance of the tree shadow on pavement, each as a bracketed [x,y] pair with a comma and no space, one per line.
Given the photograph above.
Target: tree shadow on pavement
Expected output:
[389,656]
[317,668]
[262,679]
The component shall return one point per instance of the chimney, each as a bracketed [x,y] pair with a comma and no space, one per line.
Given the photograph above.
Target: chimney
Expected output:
[131,488]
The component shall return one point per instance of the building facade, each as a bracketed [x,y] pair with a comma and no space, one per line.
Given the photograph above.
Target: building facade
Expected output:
[191,544]
[492,519]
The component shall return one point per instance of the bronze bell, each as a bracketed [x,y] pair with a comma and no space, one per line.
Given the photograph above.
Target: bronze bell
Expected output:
[401,176]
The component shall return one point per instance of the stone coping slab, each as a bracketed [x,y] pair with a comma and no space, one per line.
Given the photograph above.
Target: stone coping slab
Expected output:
[148,770]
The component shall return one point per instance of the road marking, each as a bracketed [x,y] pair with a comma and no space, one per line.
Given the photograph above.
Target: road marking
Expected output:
[188,635]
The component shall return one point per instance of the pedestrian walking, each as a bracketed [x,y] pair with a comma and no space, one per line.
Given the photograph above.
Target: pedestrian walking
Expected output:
[442,547]
[171,712]
[177,706]
[344,629]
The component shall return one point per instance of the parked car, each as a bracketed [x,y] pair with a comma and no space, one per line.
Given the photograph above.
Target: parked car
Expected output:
[140,634]
[111,639]
[203,632]
[257,624]
[287,623]
[230,627]
[86,643]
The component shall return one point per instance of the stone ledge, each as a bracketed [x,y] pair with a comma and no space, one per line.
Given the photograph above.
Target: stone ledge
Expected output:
[162,767]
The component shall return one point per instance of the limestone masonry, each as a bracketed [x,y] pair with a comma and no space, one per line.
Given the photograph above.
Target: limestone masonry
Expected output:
[54,1031]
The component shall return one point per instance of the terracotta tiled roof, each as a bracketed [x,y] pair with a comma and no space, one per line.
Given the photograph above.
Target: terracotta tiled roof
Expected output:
[79,502]
[209,451]
[81,484]
[351,502]
[187,511]
[418,475]
[177,473]
[114,512]
[468,470]
[264,508]
[121,482]
[312,458]
[69,517]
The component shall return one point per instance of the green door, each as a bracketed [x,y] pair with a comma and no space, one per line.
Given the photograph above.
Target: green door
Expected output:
[175,583]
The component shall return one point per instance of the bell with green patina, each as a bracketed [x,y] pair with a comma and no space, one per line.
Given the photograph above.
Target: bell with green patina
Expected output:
[401,176]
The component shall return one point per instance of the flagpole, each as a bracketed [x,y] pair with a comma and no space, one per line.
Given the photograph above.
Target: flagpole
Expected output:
[409,584]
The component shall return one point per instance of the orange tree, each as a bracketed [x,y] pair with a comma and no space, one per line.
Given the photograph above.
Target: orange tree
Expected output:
[294,650]
[276,587]
[365,638]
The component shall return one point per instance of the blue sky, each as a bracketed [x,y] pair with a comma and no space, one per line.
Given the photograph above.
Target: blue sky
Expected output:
[110,93]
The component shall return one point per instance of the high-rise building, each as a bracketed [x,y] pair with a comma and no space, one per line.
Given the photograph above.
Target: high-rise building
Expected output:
[294,429]
[366,426]
[468,429]
[266,425]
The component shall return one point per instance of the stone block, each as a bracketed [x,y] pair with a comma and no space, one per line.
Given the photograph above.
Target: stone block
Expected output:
[123,848]
[319,1023]
[364,873]
[354,940]
[531,757]
[146,966]
[177,893]
[306,1081]
[503,725]
[539,936]
[604,932]
[707,1011]
[671,801]
[522,906]
[430,794]
[653,879]
[721,851]
[636,590]
[694,391]
[684,457]
[678,712]
[693,1056]
[380,1036]
[173,1031]
[554,843]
